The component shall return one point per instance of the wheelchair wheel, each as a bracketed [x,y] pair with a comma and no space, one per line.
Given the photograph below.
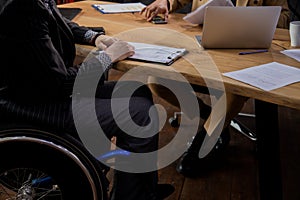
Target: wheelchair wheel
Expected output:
[38,165]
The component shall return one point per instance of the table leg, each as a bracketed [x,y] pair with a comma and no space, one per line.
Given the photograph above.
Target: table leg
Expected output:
[270,182]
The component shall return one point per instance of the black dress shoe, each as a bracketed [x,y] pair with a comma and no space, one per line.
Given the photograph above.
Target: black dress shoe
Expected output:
[190,165]
[164,190]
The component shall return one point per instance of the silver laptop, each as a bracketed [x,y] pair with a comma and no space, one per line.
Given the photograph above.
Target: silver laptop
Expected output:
[239,27]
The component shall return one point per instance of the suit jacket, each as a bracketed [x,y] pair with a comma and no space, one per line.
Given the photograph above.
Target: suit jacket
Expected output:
[283,21]
[36,70]
[38,51]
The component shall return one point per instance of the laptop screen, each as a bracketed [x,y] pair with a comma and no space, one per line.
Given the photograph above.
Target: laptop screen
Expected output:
[239,27]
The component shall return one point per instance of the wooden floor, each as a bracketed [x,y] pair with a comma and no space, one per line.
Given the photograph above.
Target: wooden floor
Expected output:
[233,177]
[236,175]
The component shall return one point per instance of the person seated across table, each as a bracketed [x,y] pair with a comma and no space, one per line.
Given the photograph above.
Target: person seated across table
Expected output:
[166,6]
[190,164]
[38,78]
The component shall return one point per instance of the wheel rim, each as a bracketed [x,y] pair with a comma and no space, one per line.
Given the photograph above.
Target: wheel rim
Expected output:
[15,187]
[28,184]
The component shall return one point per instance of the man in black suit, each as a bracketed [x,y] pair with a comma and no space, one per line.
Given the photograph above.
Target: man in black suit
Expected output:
[38,76]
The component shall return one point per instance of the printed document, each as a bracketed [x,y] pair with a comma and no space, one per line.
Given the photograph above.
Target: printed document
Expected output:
[197,16]
[293,53]
[119,7]
[268,76]
[156,53]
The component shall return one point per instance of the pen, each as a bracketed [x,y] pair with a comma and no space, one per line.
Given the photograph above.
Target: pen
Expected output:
[252,52]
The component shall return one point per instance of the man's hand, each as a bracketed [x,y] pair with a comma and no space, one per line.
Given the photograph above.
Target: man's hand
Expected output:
[119,50]
[157,7]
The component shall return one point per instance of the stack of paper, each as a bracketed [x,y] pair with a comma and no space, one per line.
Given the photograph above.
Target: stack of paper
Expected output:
[119,7]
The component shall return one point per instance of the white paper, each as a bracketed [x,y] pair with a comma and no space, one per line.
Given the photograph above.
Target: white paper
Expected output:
[268,76]
[293,53]
[156,53]
[197,16]
[119,8]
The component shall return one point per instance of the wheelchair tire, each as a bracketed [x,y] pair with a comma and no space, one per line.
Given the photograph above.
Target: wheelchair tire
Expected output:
[41,165]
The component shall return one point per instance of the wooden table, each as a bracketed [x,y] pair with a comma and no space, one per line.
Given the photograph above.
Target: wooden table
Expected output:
[178,33]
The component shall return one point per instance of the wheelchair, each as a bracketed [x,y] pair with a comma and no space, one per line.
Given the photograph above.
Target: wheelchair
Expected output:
[39,164]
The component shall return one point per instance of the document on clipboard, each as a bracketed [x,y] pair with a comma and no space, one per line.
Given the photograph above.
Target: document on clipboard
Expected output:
[156,53]
[119,7]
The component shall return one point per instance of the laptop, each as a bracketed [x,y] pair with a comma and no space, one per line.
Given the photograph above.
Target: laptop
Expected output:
[239,27]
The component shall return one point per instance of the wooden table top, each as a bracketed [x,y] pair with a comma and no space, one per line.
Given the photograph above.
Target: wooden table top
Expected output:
[199,66]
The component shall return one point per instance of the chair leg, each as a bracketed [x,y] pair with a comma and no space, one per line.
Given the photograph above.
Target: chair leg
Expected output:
[243,129]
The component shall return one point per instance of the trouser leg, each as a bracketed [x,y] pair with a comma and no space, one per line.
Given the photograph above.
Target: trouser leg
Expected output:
[136,187]
[131,185]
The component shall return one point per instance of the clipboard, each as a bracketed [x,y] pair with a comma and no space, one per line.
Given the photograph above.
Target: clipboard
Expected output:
[156,53]
[119,7]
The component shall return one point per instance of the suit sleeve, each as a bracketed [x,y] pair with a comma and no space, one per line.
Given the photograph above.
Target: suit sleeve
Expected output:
[82,34]
[37,62]
[79,32]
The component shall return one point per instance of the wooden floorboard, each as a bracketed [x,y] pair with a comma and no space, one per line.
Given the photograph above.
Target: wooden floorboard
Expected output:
[289,121]
[235,176]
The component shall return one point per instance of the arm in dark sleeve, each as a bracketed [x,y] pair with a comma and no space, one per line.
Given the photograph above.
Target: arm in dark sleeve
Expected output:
[35,64]
[82,34]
